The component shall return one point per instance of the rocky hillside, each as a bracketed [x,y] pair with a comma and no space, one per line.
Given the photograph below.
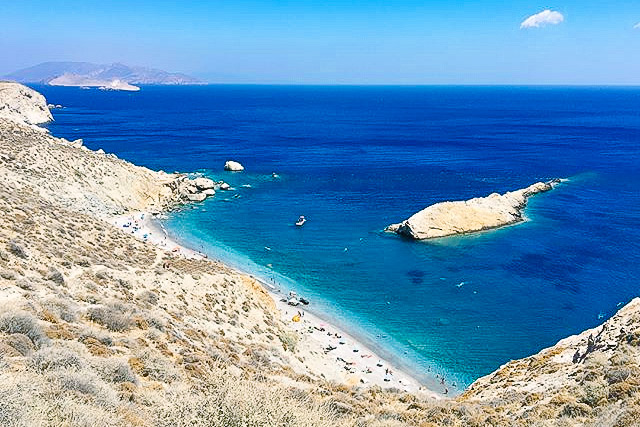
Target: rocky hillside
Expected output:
[100,328]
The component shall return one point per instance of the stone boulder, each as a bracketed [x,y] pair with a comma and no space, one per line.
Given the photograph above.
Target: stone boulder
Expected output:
[233,166]
[197,197]
[204,183]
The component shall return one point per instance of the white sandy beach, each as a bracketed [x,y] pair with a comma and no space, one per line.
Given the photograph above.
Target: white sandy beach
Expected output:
[328,350]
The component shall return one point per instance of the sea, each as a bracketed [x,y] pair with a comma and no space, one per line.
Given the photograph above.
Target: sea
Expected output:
[354,159]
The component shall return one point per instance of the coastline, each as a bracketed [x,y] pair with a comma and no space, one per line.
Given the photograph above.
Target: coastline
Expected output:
[350,361]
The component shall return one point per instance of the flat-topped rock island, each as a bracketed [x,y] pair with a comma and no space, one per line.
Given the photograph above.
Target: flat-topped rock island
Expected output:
[469,216]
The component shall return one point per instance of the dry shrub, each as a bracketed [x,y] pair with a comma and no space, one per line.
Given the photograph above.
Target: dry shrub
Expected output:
[148,297]
[36,401]
[113,316]
[82,382]
[17,249]
[114,370]
[156,368]
[21,343]
[233,402]
[595,393]
[54,358]
[97,335]
[65,310]
[289,341]
[17,322]
[55,276]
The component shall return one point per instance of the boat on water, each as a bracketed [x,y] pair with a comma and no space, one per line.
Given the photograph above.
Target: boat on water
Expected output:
[301,221]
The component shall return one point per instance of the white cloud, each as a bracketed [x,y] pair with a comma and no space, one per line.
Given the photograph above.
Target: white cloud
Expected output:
[637,26]
[546,17]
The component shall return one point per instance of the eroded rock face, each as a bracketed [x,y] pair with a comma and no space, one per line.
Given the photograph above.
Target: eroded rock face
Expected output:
[21,104]
[233,166]
[468,216]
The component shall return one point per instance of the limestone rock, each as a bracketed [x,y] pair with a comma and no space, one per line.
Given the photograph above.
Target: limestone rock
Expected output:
[209,192]
[459,217]
[204,183]
[197,197]
[21,104]
[233,166]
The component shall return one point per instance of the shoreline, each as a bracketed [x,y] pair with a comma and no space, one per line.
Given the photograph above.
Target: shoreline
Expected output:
[331,352]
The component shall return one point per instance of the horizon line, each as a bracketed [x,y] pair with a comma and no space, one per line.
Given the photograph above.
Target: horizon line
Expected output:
[619,85]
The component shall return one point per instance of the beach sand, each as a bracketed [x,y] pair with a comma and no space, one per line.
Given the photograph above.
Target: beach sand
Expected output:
[325,349]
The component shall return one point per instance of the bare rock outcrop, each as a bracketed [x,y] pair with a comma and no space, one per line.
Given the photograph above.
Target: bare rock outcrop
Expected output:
[233,166]
[21,104]
[468,216]
[592,378]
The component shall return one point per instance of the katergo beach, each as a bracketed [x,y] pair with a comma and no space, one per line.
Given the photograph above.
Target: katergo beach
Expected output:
[328,350]
[126,332]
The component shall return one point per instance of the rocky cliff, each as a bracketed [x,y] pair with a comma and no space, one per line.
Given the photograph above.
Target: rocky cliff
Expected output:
[459,217]
[21,104]
[592,378]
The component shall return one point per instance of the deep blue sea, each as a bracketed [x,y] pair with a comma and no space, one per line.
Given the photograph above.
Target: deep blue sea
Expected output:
[355,159]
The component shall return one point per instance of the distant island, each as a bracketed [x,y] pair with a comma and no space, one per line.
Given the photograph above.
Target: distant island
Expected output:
[111,76]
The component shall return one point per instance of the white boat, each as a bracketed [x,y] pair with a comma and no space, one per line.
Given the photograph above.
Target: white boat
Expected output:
[301,221]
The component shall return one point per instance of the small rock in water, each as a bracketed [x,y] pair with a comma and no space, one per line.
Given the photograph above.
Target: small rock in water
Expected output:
[233,166]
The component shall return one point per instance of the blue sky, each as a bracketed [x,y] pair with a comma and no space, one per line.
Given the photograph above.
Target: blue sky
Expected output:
[334,42]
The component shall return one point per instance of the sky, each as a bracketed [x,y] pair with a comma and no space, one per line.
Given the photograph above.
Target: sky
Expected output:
[579,42]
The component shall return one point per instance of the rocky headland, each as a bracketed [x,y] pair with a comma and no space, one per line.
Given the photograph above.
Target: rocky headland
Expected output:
[468,216]
[21,104]
[98,327]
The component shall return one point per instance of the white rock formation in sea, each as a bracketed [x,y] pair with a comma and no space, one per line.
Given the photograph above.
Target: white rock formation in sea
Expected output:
[204,183]
[21,104]
[233,166]
[459,217]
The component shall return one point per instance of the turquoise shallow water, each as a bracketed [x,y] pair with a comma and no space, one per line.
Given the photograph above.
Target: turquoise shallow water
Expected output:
[355,159]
